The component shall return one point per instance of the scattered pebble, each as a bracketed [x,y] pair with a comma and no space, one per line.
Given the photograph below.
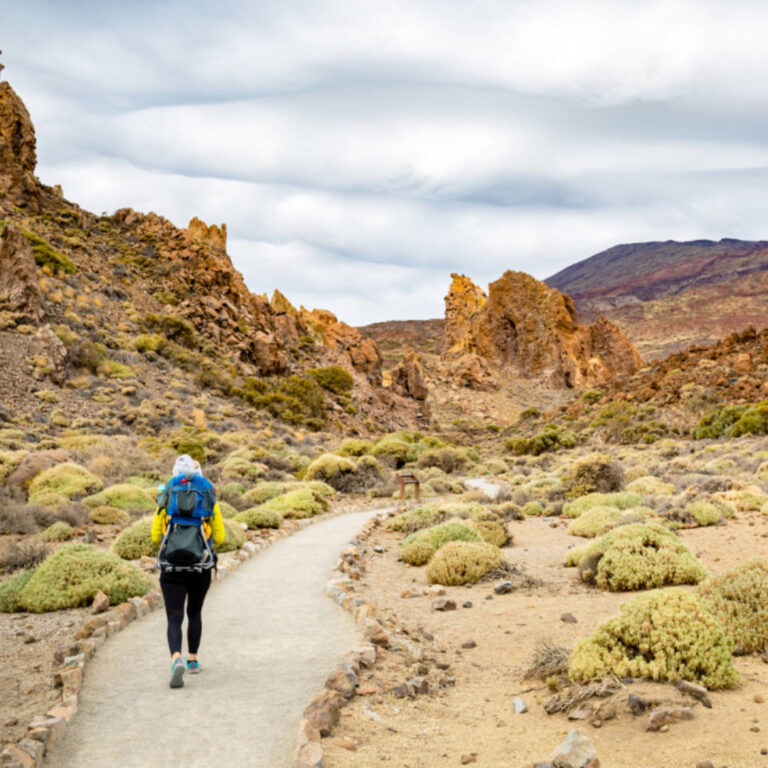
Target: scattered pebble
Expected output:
[519,705]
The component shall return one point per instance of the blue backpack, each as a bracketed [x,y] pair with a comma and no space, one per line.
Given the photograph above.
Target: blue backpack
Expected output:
[188,501]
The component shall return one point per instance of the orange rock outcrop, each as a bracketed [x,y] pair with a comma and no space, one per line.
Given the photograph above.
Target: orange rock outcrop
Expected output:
[17,152]
[528,328]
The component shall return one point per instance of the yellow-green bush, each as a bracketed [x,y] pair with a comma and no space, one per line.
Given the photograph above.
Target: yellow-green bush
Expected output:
[594,522]
[394,452]
[334,378]
[59,531]
[749,499]
[355,447]
[235,537]
[265,491]
[662,635]
[734,421]
[242,468]
[136,541]
[47,256]
[621,500]
[463,562]
[345,474]
[638,556]
[596,473]
[491,531]
[105,515]
[448,459]
[123,496]
[259,517]
[419,547]
[66,480]
[10,590]
[551,437]
[416,519]
[739,599]
[227,510]
[650,485]
[72,576]
[297,504]
[533,508]
[705,512]
[9,460]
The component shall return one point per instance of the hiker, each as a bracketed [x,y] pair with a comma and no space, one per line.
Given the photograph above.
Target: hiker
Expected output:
[186,524]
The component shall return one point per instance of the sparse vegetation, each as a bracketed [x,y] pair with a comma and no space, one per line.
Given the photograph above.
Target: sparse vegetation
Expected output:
[418,548]
[551,437]
[463,562]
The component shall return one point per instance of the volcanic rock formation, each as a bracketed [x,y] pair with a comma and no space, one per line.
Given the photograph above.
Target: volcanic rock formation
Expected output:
[531,329]
[19,286]
[17,152]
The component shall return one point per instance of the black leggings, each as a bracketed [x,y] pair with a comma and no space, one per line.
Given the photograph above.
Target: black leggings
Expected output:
[178,587]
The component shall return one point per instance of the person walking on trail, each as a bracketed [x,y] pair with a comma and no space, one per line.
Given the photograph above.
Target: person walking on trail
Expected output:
[187,525]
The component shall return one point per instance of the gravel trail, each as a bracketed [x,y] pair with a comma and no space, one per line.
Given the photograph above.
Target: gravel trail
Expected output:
[270,638]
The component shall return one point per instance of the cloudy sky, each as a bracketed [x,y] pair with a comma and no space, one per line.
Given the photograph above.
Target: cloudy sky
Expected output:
[361,151]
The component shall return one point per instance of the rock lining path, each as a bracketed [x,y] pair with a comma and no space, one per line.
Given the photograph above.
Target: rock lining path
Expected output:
[270,639]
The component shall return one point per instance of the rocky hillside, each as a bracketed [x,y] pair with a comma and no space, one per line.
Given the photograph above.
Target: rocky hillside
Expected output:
[119,306]
[668,295]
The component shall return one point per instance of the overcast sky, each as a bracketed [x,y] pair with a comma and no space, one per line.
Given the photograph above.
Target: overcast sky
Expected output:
[359,152]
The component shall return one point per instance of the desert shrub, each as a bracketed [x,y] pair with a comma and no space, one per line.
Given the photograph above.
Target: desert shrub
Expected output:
[448,459]
[240,467]
[651,486]
[594,522]
[264,492]
[23,554]
[508,511]
[533,508]
[419,547]
[393,452]
[232,492]
[59,531]
[623,422]
[639,556]
[172,328]
[705,512]
[662,635]
[260,517]
[10,589]
[739,599]
[123,496]
[235,537]
[491,532]
[72,576]
[596,473]
[551,437]
[136,541]
[297,504]
[733,421]
[9,460]
[749,499]
[319,488]
[106,515]
[47,256]
[620,500]
[416,519]
[344,474]
[354,447]
[333,378]
[62,482]
[86,354]
[295,399]
[463,562]
[149,342]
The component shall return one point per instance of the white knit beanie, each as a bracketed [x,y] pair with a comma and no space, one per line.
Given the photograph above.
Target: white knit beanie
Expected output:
[185,465]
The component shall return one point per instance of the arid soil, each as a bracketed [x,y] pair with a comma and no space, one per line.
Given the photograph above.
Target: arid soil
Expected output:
[477,716]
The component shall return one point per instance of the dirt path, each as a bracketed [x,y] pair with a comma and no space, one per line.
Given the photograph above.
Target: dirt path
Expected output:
[270,638]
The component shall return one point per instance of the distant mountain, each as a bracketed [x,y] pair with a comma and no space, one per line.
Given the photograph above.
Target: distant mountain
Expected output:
[667,295]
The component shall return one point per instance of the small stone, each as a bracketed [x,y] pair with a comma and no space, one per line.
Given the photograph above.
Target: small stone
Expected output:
[100,602]
[569,618]
[10,723]
[698,692]
[754,729]
[469,644]
[582,713]
[29,639]
[637,704]
[660,718]
[467,604]
[764,751]
[347,744]
[503,588]
[519,705]
[758,699]
[378,548]
[310,756]
[444,604]
[705,764]
[404,691]
[419,685]
[576,750]
[470,758]
[345,681]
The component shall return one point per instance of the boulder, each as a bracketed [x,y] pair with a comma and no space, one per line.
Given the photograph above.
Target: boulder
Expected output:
[408,377]
[19,286]
[530,329]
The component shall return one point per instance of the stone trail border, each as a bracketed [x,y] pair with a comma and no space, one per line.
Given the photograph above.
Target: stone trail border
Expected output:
[270,636]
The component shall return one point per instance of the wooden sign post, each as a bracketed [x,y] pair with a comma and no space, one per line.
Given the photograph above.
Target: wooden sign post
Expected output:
[408,478]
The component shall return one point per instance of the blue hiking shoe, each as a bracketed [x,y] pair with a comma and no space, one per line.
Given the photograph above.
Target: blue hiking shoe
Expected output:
[193,667]
[178,668]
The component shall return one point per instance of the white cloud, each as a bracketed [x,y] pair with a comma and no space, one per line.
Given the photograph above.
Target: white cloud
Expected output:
[359,153]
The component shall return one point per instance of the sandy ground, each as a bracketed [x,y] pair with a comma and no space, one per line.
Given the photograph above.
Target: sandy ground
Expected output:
[270,638]
[477,715]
